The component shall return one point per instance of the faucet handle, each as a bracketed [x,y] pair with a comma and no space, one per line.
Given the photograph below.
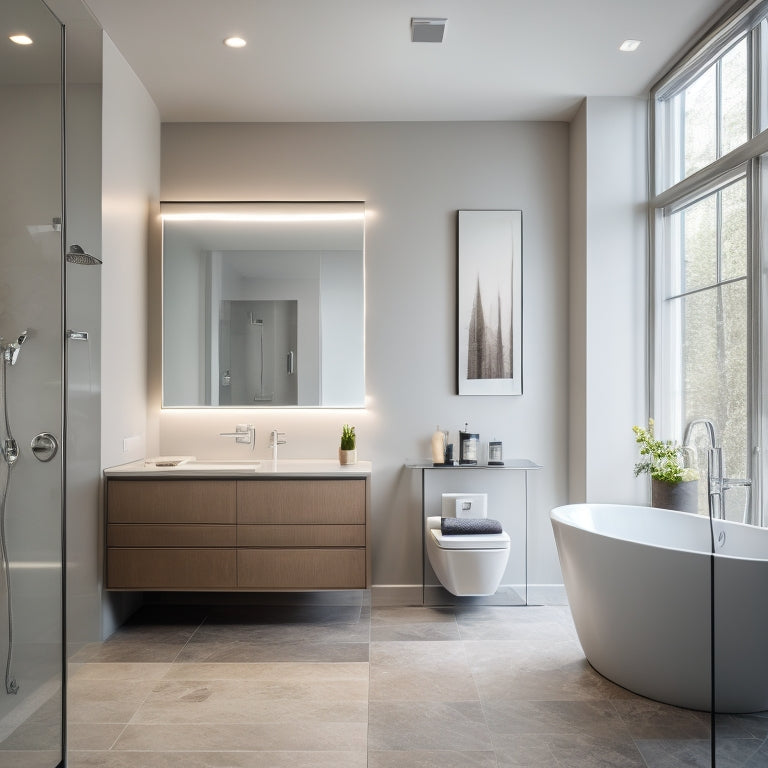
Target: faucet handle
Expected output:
[275,437]
[244,433]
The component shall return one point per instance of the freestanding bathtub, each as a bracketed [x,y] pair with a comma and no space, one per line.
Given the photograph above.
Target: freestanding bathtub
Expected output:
[638,584]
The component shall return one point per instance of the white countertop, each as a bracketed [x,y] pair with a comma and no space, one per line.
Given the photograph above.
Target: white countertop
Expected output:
[238,468]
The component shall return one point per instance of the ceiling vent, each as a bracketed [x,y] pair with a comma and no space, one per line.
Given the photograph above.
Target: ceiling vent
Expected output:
[427,30]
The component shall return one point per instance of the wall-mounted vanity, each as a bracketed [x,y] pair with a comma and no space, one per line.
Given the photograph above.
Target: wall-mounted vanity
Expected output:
[263,304]
[290,525]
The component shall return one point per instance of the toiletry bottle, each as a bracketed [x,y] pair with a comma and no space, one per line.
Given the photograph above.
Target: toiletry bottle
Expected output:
[438,446]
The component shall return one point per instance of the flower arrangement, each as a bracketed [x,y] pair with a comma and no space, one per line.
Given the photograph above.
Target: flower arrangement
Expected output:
[663,459]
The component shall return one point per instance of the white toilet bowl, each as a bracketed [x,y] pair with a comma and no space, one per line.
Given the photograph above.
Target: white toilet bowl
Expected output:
[467,565]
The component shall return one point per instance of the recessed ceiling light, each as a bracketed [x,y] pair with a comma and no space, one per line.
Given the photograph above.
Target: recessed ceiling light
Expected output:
[235,42]
[630,45]
[21,39]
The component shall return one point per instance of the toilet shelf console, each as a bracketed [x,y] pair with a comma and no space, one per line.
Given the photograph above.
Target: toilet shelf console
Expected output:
[508,487]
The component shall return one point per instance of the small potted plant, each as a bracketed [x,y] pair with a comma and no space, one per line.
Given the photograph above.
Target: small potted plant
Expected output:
[673,485]
[347,450]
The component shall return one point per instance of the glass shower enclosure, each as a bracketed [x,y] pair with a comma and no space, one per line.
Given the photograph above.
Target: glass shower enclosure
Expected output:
[31,387]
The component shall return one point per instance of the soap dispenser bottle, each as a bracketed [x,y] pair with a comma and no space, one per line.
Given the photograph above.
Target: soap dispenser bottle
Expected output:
[438,446]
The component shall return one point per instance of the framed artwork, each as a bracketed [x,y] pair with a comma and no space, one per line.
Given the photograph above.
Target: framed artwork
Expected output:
[490,303]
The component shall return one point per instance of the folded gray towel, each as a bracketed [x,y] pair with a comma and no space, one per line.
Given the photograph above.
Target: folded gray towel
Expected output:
[463,526]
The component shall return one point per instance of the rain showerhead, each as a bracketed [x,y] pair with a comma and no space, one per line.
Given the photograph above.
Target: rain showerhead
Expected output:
[76,255]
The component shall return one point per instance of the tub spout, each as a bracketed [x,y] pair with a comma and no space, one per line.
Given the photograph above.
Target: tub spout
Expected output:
[710,427]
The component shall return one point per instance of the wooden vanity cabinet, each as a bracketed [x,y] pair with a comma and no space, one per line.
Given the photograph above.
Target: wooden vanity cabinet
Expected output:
[301,534]
[237,534]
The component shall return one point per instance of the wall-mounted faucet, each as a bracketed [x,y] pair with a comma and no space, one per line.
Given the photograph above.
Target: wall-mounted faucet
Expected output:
[244,433]
[276,438]
[11,350]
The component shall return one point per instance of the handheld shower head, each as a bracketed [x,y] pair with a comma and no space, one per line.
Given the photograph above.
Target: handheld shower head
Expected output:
[76,255]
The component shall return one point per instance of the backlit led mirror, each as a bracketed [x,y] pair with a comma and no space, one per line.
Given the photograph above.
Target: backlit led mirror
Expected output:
[263,304]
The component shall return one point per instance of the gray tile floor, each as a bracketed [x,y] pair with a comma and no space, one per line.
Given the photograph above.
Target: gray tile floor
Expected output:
[327,686]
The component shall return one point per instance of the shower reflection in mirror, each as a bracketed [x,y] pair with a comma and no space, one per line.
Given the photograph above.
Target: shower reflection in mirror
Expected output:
[254,338]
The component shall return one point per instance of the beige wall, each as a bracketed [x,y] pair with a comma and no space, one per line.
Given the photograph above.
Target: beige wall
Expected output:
[413,178]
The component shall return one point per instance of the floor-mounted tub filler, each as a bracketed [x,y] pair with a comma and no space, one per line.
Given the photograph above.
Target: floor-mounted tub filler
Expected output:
[638,581]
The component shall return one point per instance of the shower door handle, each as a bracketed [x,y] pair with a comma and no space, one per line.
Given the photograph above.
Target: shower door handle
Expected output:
[291,362]
[44,446]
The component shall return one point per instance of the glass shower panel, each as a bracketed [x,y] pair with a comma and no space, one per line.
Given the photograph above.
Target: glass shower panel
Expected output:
[31,412]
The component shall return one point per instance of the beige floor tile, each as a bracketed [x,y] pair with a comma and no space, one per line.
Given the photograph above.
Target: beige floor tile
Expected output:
[105,701]
[420,671]
[247,701]
[326,686]
[298,651]
[648,719]
[248,737]
[118,671]
[284,759]
[590,718]
[431,759]
[286,671]
[543,677]
[430,630]
[29,759]
[93,736]
[449,726]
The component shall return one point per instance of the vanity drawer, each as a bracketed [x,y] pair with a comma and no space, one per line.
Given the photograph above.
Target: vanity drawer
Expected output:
[163,568]
[301,535]
[122,535]
[301,568]
[171,501]
[301,502]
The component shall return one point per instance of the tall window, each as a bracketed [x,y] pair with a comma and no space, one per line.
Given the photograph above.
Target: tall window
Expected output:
[708,140]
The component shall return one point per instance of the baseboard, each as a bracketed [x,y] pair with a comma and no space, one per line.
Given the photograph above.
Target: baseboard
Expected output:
[397,595]
[547,594]
[383,595]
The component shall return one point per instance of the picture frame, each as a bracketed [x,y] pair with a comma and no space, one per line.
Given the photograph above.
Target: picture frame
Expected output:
[490,303]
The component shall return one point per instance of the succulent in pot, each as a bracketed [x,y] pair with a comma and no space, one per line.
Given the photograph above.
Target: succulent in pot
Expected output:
[348,447]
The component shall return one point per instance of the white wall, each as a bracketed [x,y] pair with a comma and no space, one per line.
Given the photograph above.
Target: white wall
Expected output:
[130,195]
[608,299]
[413,178]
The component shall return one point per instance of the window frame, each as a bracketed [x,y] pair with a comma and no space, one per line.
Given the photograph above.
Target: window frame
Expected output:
[751,159]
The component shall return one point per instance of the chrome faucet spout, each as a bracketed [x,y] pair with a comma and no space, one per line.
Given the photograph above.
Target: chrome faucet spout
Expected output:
[276,438]
[710,427]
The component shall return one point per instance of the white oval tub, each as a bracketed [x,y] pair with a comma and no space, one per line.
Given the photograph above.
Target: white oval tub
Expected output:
[638,584]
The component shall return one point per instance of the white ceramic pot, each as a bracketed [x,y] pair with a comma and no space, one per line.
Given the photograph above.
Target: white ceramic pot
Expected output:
[348,457]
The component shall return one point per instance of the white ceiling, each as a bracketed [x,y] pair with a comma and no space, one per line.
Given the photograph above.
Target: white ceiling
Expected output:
[352,60]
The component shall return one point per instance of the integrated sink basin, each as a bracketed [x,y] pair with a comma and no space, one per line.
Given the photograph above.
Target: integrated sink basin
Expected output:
[215,465]
[191,464]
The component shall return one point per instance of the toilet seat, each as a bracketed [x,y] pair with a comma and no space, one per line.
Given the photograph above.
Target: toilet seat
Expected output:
[473,541]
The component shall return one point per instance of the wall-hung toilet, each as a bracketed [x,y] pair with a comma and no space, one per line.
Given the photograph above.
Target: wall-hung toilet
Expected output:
[470,565]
